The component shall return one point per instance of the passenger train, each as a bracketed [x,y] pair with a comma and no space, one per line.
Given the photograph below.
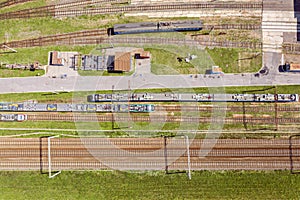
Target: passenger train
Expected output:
[189,97]
[61,107]
[152,27]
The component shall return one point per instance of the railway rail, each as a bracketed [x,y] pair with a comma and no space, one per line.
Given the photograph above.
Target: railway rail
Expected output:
[52,11]
[149,154]
[196,41]
[293,48]
[161,118]
[241,108]
[103,39]
[79,4]
[12,2]
[98,36]
[55,39]
[232,26]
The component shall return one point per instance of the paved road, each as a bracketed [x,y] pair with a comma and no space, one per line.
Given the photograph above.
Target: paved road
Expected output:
[45,84]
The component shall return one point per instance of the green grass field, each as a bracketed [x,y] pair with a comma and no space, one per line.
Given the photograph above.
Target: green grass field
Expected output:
[22,6]
[5,73]
[163,58]
[40,54]
[236,60]
[150,185]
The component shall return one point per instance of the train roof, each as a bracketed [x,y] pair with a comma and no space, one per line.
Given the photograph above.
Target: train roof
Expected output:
[135,25]
[161,23]
[185,22]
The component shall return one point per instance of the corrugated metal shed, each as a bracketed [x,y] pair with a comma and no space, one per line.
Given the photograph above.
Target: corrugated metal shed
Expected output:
[91,62]
[123,61]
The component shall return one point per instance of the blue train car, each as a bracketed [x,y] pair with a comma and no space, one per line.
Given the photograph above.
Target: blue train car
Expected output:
[11,106]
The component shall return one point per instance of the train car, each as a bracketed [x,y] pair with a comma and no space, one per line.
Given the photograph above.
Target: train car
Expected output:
[149,27]
[189,97]
[287,98]
[68,107]
[141,108]
[11,106]
[99,97]
[13,117]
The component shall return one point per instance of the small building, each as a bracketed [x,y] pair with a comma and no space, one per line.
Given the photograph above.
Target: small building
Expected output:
[123,62]
[55,58]
[114,60]
[67,59]
[92,62]
[110,63]
[141,54]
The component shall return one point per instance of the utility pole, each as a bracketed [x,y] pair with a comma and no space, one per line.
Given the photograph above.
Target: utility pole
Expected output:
[166,154]
[276,108]
[128,104]
[112,108]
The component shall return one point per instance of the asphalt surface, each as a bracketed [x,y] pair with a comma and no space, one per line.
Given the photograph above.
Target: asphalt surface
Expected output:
[144,79]
[148,80]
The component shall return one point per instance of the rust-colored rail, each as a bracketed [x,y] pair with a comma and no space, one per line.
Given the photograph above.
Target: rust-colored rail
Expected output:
[12,2]
[161,118]
[59,38]
[52,11]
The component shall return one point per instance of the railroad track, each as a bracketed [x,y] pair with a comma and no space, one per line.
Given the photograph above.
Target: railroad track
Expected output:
[79,4]
[129,40]
[293,48]
[54,12]
[123,117]
[98,36]
[240,108]
[149,154]
[195,41]
[232,26]
[12,2]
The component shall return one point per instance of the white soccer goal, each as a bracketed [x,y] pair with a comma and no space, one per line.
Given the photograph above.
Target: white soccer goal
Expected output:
[49,158]
[187,143]
[189,156]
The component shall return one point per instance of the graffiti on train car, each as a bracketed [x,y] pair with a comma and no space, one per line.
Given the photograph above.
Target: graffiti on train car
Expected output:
[61,107]
[188,97]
